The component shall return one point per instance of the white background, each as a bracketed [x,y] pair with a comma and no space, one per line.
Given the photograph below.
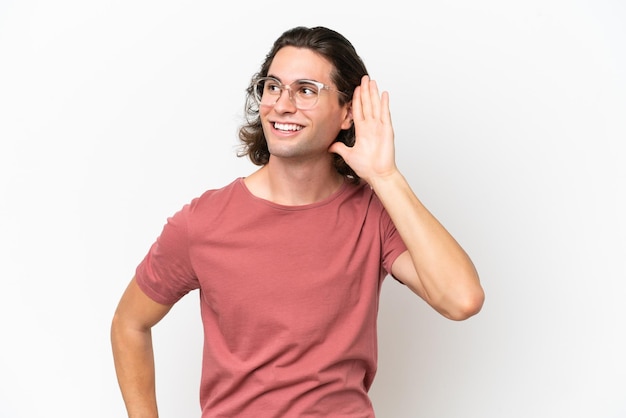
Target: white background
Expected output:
[510,125]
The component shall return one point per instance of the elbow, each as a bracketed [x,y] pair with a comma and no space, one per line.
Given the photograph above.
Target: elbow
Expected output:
[467,306]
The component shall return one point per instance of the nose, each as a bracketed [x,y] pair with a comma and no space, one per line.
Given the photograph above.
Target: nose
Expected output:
[285,102]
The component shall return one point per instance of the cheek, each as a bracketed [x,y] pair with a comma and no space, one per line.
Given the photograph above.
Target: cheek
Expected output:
[329,132]
[333,124]
[263,113]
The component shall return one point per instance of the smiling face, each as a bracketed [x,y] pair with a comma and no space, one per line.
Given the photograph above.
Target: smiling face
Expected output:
[292,133]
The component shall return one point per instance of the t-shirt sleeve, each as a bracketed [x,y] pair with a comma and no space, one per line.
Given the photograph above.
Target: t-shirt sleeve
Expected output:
[166,273]
[392,244]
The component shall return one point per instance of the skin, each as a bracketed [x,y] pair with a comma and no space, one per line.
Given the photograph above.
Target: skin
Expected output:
[300,168]
[299,172]
[131,340]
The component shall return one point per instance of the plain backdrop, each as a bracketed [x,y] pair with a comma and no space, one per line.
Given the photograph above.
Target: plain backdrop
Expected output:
[510,125]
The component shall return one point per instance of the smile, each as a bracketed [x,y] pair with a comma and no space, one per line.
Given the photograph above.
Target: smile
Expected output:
[287,126]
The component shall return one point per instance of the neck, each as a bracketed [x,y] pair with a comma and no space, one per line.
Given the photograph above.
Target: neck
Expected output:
[294,185]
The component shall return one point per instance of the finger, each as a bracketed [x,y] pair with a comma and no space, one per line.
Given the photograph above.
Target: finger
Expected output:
[374,99]
[385,115]
[338,148]
[357,109]
[366,102]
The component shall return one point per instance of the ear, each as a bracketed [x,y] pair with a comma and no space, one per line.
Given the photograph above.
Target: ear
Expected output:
[347,120]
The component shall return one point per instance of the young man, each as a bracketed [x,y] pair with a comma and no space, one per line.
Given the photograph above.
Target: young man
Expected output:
[289,260]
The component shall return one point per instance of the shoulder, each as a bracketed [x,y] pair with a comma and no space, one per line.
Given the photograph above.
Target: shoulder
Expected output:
[210,201]
[364,194]
[217,196]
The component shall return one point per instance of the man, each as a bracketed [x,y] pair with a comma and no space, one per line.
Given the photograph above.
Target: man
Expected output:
[290,259]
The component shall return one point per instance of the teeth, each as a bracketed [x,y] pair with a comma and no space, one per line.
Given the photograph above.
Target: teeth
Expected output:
[287,126]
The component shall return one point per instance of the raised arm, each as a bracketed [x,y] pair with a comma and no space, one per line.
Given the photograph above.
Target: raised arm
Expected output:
[131,340]
[435,266]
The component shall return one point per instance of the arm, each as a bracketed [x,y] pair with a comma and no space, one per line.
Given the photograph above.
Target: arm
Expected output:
[131,340]
[435,266]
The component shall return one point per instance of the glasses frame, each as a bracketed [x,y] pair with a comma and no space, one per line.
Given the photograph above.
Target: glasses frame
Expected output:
[258,96]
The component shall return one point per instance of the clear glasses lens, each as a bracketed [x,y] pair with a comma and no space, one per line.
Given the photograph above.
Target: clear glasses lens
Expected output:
[303,93]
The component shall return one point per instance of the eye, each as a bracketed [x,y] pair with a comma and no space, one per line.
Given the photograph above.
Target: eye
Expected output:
[306,89]
[273,87]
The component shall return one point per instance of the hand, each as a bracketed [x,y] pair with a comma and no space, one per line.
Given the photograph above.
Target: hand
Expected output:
[373,154]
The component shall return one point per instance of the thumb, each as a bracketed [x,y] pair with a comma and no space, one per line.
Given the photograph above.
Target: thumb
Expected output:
[338,148]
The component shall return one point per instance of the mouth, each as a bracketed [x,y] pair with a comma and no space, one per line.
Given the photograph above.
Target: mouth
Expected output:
[287,127]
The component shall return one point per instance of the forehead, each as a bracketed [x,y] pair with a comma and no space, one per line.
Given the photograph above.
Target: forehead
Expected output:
[291,63]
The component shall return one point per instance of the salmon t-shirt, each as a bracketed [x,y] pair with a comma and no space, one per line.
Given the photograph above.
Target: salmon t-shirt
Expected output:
[289,298]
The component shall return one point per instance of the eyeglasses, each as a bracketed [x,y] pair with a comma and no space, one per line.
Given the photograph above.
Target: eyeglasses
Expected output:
[304,94]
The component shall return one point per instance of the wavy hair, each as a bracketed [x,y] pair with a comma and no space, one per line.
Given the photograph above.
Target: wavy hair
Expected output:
[348,69]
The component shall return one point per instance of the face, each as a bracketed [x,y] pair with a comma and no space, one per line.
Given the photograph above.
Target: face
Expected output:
[295,133]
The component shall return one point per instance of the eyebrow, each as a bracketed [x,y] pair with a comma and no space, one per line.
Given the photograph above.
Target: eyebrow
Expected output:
[297,79]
